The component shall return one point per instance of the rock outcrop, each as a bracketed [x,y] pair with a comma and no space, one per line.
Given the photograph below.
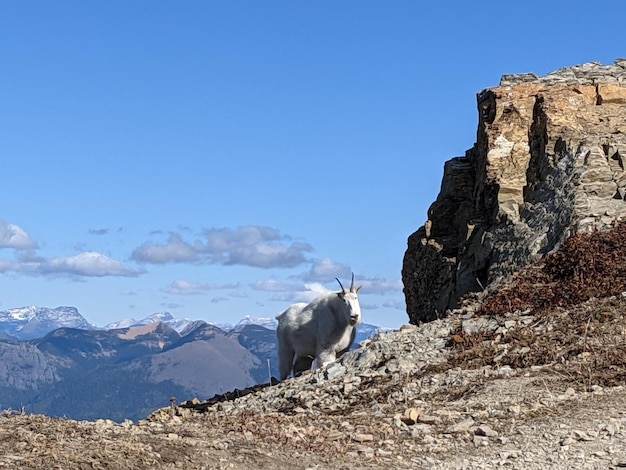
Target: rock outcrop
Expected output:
[549,162]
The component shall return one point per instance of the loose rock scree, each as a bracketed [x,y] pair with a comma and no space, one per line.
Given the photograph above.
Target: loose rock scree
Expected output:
[321,330]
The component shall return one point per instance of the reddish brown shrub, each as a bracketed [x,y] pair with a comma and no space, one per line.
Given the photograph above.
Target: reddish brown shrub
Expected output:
[586,266]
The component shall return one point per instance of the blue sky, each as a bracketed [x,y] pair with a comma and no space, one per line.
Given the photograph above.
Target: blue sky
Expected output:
[219,159]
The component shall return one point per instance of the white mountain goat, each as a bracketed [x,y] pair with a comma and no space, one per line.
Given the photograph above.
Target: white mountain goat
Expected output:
[322,330]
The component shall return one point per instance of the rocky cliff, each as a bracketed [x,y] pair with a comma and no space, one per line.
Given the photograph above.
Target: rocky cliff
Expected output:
[548,163]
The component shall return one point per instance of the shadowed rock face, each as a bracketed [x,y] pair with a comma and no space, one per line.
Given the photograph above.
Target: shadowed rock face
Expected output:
[548,163]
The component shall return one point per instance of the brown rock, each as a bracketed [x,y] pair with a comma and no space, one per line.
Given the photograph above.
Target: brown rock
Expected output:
[611,94]
[411,415]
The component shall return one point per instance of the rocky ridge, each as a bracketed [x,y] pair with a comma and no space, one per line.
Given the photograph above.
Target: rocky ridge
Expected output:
[548,163]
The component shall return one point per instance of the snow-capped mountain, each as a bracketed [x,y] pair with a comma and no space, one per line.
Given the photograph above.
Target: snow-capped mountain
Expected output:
[269,323]
[27,323]
[34,322]
[366,331]
[118,325]
[178,324]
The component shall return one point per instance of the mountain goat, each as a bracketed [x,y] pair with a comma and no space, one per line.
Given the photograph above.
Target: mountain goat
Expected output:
[322,330]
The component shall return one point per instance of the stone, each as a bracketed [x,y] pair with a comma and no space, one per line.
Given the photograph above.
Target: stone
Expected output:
[429,419]
[334,370]
[484,430]
[411,415]
[480,441]
[359,437]
[569,393]
[366,451]
[463,426]
[335,435]
[548,163]
[582,436]
[514,409]
[612,427]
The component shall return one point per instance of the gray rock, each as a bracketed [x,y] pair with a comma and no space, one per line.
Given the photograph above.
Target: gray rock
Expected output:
[462,426]
[484,430]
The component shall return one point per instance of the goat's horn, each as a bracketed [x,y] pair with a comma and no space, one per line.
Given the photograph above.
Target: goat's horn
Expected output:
[352,285]
[342,288]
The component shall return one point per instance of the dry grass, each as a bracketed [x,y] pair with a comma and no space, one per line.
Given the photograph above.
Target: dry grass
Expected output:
[587,266]
[575,296]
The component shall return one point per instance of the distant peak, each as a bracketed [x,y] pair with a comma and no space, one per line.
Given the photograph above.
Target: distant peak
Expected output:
[159,316]
[35,322]
[269,323]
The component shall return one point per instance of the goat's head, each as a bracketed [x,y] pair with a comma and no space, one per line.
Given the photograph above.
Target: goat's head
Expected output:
[351,302]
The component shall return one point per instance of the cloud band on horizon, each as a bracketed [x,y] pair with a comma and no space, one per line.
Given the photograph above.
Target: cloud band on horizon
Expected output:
[255,246]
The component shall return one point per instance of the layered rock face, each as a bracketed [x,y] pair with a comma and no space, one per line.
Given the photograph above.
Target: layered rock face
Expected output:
[548,163]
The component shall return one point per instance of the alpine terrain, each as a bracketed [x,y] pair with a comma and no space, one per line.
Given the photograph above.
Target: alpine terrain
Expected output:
[516,356]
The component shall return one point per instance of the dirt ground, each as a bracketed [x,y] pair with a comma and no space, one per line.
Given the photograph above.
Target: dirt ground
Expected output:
[527,419]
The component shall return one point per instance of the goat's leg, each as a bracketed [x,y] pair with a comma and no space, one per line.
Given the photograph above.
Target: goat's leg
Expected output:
[325,357]
[302,364]
[285,360]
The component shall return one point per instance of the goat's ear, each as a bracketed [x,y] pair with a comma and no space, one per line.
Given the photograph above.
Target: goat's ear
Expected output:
[358,289]
[340,295]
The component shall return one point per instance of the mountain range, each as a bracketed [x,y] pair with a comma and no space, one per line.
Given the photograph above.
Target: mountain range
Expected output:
[34,322]
[54,362]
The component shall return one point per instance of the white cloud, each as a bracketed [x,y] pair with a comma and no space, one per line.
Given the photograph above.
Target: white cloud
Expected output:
[306,294]
[327,269]
[239,294]
[395,304]
[6,266]
[176,250]
[272,285]
[13,236]
[171,305]
[368,306]
[375,285]
[27,261]
[180,287]
[256,246]
[89,264]
[290,292]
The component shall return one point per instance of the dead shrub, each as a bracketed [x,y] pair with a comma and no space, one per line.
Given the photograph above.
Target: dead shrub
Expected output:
[586,266]
[578,291]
